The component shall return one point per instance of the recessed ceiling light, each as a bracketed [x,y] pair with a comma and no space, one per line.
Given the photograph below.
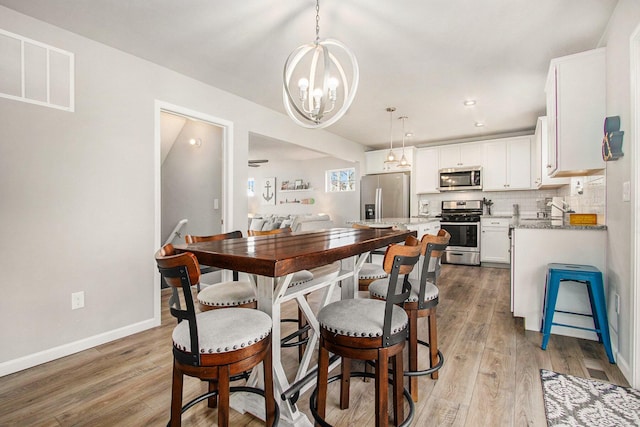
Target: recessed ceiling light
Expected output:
[408,134]
[469,102]
[479,124]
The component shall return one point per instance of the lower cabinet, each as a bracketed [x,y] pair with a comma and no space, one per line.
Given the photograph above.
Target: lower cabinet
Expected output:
[494,240]
[425,228]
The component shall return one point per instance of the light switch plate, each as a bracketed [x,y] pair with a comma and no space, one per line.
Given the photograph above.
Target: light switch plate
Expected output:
[626,191]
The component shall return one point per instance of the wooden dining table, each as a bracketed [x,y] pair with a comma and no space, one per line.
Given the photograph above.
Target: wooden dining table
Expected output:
[270,262]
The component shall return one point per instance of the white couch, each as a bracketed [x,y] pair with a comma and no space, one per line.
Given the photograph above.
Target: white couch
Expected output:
[296,222]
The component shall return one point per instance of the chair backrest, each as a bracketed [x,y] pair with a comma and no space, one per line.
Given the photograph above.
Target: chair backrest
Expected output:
[432,248]
[399,260]
[269,232]
[182,271]
[189,238]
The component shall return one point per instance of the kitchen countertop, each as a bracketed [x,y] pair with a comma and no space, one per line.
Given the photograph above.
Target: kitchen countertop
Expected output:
[395,221]
[551,224]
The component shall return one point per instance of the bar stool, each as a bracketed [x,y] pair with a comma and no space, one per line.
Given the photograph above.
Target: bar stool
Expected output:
[592,278]
[370,271]
[369,329]
[214,345]
[422,302]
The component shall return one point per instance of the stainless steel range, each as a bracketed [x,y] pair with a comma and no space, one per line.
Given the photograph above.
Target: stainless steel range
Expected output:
[461,218]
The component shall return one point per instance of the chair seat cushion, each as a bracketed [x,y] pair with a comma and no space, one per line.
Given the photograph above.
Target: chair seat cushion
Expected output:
[300,277]
[360,318]
[372,271]
[378,289]
[227,294]
[224,330]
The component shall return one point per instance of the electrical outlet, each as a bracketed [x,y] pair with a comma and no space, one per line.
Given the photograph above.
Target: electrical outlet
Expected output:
[77,300]
[617,299]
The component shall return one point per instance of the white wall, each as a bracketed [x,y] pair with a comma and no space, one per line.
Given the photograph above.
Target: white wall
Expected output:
[78,195]
[192,180]
[341,207]
[624,21]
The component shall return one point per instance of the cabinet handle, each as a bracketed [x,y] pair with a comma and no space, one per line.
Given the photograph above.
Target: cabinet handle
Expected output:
[548,166]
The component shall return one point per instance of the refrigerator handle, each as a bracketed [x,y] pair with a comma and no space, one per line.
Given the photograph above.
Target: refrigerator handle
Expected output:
[378,203]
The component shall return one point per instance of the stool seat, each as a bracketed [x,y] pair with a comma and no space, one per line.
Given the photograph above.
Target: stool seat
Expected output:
[592,278]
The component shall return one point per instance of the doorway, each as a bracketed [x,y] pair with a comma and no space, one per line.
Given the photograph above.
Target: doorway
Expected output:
[192,152]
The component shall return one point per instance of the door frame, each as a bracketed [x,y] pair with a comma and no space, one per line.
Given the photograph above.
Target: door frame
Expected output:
[634,60]
[227,173]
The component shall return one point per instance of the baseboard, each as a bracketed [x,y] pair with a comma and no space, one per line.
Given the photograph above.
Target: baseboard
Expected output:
[15,365]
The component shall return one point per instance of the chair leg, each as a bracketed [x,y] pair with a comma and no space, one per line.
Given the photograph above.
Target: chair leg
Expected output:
[213,400]
[176,397]
[302,322]
[433,341]
[345,382]
[323,378]
[398,382]
[413,353]
[270,403]
[382,388]
[223,396]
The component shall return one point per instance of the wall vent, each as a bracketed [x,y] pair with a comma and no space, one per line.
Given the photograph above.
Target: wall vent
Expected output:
[36,73]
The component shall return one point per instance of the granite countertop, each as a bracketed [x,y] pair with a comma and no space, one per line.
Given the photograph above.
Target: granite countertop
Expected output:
[394,221]
[551,224]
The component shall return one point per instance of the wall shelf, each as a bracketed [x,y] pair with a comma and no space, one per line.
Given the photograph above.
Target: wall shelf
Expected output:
[296,191]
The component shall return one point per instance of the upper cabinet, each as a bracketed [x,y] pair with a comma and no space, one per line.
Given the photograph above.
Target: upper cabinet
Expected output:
[539,164]
[507,164]
[460,155]
[575,92]
[426,168]
[375,161]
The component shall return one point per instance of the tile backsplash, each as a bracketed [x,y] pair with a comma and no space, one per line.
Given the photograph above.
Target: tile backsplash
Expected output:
[583,195]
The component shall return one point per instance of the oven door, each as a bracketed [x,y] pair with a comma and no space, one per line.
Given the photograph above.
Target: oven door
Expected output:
[464,245]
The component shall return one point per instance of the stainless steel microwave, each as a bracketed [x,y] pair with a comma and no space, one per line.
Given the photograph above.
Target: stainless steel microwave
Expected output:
[460,179]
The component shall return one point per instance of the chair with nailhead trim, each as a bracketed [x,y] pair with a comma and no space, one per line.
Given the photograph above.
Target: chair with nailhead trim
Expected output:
[370,271]
[369,329]
[227,342]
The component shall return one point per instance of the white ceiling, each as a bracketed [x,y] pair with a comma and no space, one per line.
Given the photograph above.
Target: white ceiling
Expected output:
[425,57]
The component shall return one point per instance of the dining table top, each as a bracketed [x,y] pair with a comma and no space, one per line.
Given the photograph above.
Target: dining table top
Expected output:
[281,254]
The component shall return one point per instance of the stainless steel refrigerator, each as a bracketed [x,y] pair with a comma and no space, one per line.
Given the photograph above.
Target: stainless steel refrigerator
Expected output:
[385,195]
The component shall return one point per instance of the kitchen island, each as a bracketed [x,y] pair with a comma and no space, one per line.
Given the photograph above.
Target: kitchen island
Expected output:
[536,243]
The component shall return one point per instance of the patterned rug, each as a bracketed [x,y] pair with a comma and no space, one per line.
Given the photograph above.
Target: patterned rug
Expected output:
[574,401]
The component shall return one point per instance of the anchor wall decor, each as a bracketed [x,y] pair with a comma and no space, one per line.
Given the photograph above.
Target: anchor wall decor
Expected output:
[269,191]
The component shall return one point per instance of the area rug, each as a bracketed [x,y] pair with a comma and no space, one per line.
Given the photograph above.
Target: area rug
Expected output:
[574,401]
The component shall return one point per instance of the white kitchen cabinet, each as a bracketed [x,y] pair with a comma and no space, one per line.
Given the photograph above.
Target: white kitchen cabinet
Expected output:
[540,177]
[494,240]
[374,160]
[507,164]
[426,167]
[575,91]
[460,155]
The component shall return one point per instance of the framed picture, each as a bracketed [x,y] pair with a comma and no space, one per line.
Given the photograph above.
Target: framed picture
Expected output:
[284,185]
[269,191]
[299,184]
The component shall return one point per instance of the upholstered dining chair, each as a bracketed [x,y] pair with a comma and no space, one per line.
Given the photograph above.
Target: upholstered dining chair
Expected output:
[422,302]
[234,293]
[370,271]
[369,329]
[268,232]
[214,345]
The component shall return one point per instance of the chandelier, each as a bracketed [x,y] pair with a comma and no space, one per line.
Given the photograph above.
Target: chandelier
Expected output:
[404,163]
[316,91]
[391,156]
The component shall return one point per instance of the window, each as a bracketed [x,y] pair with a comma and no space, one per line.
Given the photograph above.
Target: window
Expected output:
[341,180]
[251,187]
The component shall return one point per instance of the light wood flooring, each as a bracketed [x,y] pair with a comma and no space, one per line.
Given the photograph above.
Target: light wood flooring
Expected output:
[490,376]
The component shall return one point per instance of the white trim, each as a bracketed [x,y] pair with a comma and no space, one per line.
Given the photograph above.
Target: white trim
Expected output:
[227,177]
[634,50]
[48,355]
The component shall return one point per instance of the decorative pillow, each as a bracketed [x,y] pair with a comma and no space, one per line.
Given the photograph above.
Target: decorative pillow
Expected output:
[286,223]
[256,224]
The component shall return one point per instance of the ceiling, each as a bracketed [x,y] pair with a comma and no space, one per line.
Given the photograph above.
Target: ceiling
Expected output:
[422,57]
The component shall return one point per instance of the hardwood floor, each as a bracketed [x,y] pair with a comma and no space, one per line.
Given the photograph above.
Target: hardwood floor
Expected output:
[490,376]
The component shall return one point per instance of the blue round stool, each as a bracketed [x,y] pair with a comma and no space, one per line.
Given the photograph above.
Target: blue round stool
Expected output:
[592,278]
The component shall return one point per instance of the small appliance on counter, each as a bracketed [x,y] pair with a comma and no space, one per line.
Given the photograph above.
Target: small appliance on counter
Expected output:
[423,208]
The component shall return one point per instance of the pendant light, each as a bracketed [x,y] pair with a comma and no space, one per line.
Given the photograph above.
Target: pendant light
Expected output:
[404,163]
[323,93]
[391,156]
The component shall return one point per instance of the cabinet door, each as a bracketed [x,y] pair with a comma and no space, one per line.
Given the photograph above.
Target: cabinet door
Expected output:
[449,156]
[471,154]
[426,167]
[494,245]
[375,161]
[494,171]
[519,163]
[540,162]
